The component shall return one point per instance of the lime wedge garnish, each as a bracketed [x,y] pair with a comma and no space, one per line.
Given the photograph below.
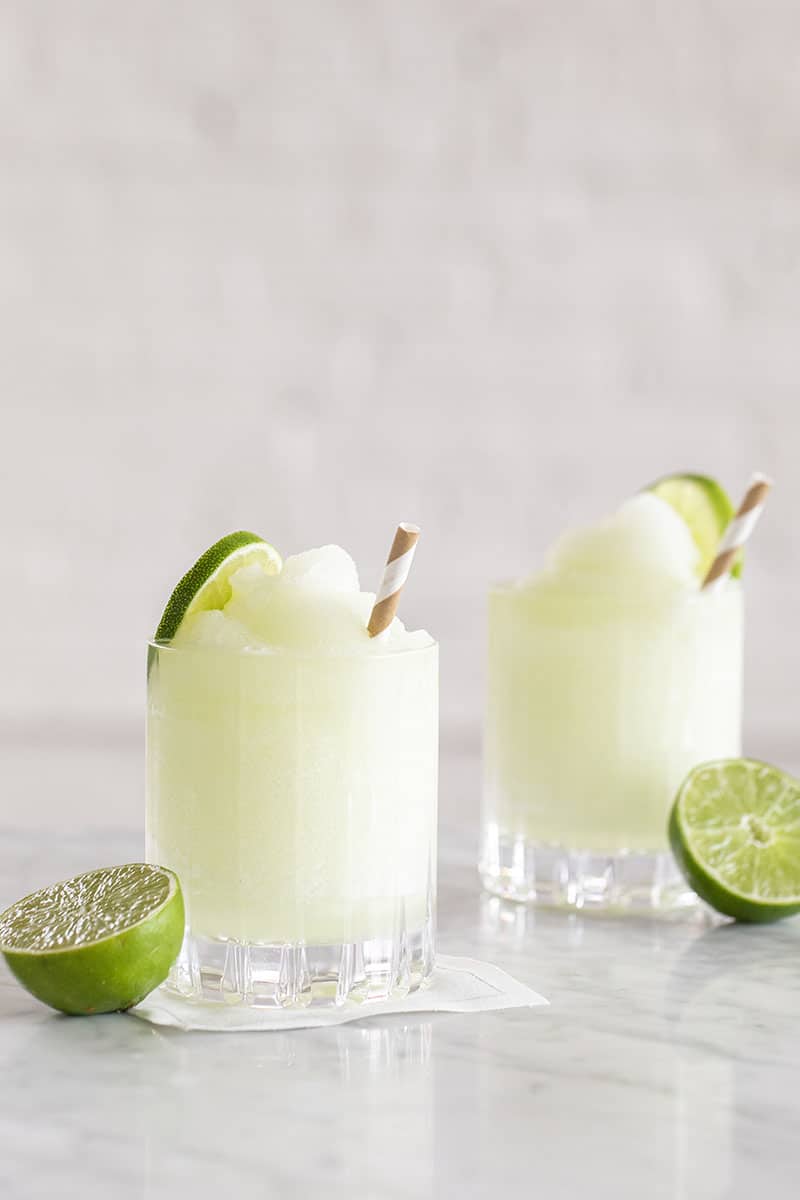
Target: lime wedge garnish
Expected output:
[206,585]
[705,507]
[735,831]
[96,943]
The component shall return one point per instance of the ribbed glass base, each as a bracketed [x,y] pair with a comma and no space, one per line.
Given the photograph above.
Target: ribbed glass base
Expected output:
[296,975]
[556,876]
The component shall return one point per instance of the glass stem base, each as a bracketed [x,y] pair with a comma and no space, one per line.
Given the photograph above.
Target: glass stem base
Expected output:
[562,877]
[296,975]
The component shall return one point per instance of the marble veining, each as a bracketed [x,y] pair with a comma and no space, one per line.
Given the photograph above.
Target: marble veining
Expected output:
[666,1066]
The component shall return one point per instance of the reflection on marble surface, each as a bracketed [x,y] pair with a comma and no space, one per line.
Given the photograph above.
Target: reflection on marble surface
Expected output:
[666,1066]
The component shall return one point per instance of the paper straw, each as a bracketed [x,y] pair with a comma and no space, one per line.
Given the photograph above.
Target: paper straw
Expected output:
[395,573]
[739,531]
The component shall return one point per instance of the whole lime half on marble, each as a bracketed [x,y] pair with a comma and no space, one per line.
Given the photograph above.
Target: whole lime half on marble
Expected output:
[96,943]
[206,585]
[705,507]
[735,831]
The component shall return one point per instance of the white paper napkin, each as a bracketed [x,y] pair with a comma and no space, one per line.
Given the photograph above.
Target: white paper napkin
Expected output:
[458,985]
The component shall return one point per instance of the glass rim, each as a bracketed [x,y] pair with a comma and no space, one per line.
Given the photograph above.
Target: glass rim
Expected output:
[270,652]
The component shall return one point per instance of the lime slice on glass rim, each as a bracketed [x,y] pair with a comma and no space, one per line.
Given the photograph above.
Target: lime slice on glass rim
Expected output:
[96,943]
[735,831]
[705,507]
[207,585]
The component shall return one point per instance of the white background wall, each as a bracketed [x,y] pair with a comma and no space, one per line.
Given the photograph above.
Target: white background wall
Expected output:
[313,268]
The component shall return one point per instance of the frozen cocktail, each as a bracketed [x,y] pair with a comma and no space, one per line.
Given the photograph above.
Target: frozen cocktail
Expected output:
[292,782]
[611,673]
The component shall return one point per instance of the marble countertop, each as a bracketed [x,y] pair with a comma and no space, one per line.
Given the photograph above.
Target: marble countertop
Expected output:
[666,1066]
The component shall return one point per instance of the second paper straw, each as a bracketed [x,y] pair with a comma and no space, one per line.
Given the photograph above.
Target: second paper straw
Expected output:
[739,530]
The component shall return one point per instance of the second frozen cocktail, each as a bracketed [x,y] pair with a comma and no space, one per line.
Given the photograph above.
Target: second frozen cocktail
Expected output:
[611,674]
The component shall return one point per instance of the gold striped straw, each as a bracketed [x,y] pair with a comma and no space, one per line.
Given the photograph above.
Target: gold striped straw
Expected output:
[739,531]
[395,573]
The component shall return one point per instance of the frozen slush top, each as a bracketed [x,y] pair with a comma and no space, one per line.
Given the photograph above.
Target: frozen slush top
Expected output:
[314,603]
[644,544]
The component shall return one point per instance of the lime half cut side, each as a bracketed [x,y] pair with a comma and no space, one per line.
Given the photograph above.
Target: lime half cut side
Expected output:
[207,585]
[705,507]
[735,831]
[99,942]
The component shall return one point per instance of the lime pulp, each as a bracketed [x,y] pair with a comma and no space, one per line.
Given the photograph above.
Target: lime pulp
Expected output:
[98,942]
[735,832]
[705,507]
[206,585]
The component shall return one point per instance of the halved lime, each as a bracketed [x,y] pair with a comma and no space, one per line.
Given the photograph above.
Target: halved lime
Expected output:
[705,507]
[96,943]
[207,584]
[735,831]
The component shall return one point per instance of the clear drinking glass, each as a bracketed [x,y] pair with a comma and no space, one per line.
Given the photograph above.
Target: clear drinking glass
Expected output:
[295,796]
[598,706]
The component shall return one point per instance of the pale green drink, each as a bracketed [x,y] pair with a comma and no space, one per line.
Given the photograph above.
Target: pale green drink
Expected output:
[292,766]
[610,675]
